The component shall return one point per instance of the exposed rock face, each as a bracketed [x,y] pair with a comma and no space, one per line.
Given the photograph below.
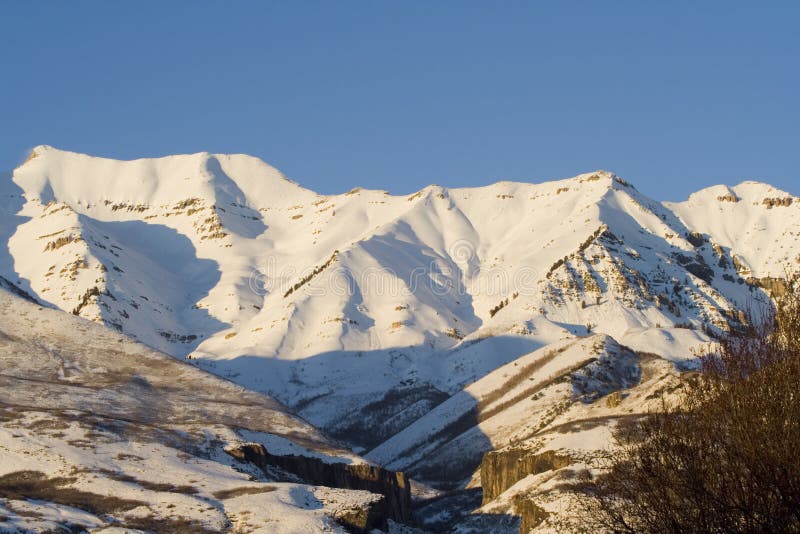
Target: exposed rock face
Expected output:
[393,486]
[776,286]
[503,468]
[772,202]
[363,519]
[530,514]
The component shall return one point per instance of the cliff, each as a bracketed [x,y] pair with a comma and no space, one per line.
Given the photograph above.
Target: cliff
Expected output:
[394,486]
[503,468]
[529,512]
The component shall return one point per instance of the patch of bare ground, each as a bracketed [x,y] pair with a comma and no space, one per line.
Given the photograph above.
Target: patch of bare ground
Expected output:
[152,486]
[25,485]
[173,525]
[245,490]
[22,485]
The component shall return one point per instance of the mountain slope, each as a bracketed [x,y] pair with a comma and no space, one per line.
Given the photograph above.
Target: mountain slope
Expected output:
[98,431]
[366,311]
[760,223]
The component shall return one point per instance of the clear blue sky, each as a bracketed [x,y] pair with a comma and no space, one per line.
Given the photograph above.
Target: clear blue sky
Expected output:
[673,95]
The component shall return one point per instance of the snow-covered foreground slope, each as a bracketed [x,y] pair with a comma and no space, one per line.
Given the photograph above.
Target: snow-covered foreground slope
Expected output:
[99,432]
[414,328]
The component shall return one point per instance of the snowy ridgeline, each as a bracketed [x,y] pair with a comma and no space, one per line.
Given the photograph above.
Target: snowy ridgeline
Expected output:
[422,330]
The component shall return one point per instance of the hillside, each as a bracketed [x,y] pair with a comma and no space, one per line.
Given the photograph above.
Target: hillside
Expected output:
[103,433]
[420,330]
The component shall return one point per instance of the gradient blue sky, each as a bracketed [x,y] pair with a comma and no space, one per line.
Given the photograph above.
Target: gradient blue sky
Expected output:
[673,95]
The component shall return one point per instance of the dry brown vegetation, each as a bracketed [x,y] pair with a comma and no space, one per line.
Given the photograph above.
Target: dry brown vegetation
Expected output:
[245,490]
[152,486]
[22,485]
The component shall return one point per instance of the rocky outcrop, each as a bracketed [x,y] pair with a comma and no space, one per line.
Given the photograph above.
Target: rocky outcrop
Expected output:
[394,486]
[529,512]
[696,265]
[364,518]
[503,468]
[777,201]
[776,286]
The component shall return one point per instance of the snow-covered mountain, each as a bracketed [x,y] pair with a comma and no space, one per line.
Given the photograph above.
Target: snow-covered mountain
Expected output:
[379,318]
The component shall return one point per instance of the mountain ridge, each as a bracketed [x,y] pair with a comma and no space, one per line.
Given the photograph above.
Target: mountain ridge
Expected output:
[462,234]
[502,315]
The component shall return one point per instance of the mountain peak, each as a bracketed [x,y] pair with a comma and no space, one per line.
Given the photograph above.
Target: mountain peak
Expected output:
[79,179]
